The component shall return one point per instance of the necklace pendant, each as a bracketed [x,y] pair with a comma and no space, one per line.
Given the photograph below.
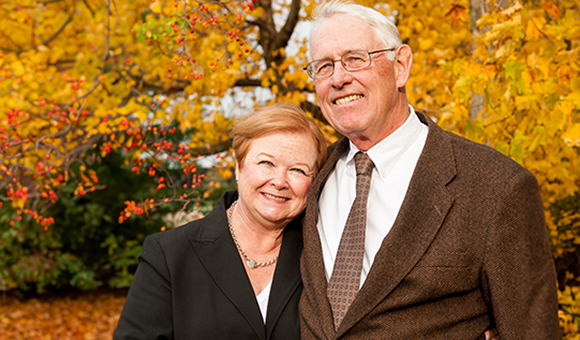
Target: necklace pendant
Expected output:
[252,264]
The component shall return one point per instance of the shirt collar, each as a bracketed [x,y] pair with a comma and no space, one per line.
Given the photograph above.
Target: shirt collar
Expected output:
[387,152]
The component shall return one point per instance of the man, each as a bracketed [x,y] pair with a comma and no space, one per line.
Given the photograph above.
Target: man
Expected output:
[453,232]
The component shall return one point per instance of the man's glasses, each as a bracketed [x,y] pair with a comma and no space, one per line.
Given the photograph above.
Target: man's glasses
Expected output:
[351,61]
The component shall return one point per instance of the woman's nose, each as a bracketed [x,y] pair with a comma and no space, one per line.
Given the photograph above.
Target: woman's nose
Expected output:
[279,179]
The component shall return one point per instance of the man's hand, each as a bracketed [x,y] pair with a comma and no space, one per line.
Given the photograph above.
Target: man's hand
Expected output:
[491,334]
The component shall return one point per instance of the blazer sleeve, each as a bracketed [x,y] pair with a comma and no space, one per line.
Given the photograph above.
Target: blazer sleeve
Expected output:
[147,313]
[519,278]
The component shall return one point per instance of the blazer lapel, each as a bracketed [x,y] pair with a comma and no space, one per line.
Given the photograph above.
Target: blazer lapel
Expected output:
[422,213]
[312,263]
[218,254]
[287,275]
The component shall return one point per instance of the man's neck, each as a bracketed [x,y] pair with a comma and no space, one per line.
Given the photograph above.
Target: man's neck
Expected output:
[364,142]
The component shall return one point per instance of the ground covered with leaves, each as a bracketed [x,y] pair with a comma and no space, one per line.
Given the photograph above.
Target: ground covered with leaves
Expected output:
[71,316]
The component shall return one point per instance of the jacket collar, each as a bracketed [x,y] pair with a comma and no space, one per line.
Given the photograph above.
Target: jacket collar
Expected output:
[422,213]
[217,252]
[312,262]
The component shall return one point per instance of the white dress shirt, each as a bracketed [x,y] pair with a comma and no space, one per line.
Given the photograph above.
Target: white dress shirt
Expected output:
[263,299]
[395,159]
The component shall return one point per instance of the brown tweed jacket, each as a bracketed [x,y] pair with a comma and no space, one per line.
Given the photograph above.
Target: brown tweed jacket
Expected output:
[468,251]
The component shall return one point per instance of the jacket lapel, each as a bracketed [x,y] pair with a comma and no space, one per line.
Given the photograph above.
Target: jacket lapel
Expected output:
[312,263]
[422,213]
[218,254]
[287,275]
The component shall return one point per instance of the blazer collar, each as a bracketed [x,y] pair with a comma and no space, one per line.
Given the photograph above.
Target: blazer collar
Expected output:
[422,213]
[217,252]
[286,276]
[312,263]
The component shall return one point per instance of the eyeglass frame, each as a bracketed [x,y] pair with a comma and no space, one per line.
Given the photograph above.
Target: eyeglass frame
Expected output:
[306,68]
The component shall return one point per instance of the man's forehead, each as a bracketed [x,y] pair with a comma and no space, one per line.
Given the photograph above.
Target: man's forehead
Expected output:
[341,34]
[340,52]
[341,22]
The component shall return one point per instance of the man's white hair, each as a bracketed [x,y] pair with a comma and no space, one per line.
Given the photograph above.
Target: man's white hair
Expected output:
[385,29]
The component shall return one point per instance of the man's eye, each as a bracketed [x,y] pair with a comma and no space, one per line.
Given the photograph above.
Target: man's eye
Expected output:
[354,59]
[322,66]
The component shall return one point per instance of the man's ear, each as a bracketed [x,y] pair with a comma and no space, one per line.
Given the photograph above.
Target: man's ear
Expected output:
[403,64]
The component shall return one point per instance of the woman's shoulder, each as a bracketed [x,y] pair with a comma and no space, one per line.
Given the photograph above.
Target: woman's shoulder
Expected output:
[173,239]
[211,226]
[183,231]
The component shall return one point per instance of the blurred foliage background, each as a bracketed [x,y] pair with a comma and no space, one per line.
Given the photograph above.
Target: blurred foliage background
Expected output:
[115,116]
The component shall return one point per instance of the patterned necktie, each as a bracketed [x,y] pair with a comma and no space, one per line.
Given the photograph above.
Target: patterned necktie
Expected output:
[345,280]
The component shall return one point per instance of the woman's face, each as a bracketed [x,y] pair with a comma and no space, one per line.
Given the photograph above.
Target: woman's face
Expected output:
[275,177]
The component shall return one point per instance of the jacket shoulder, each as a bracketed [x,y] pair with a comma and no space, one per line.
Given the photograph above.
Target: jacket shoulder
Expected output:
[469,155]
[179,234]
[464,148]
[208,228]
[473,155]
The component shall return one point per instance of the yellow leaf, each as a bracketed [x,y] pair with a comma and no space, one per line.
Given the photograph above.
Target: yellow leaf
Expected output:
[512,9]
[18,202]
[104,129]
[500,52]
[566,107]
[540,139]
[426,44]
[572,136]
[532,31]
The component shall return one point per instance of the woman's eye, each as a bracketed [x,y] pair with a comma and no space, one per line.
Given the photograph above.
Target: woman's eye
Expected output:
[265,163]
[299,171]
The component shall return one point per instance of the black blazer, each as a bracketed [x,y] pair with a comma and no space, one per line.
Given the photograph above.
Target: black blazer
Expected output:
[191,284]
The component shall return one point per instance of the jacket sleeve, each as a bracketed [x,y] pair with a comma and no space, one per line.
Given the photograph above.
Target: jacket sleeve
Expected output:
[147,313]
[519,277]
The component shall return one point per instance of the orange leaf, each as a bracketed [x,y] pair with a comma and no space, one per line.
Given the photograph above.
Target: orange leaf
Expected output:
[553,10]
[456,14]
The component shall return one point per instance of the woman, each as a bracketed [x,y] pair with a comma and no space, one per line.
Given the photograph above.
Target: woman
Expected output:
[235,274]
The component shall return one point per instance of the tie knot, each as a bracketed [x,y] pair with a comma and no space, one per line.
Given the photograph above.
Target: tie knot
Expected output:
[363,163]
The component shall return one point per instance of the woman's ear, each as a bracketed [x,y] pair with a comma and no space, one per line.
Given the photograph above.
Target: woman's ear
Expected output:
[236,171]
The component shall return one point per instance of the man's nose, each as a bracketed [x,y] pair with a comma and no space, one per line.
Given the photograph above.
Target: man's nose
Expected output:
[341,76]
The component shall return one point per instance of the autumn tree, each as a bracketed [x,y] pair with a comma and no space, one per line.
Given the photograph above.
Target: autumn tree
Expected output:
[506,74]
[81,80]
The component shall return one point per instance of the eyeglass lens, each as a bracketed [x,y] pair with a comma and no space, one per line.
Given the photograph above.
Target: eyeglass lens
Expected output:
[352,61]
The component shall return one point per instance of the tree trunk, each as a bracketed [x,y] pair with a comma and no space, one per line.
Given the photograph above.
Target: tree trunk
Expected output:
[476,9]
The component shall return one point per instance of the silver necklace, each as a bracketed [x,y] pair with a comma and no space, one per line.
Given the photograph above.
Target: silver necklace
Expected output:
[251,263]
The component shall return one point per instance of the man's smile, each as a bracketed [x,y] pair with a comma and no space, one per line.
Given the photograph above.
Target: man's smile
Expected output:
[348,99]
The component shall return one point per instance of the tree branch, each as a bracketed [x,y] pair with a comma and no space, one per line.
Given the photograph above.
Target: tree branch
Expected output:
[52,37]
[46,41]
[248,82]
[314,109]
[212,150]
[283,37]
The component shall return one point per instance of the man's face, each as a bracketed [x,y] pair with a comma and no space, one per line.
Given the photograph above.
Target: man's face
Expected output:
[363,105]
